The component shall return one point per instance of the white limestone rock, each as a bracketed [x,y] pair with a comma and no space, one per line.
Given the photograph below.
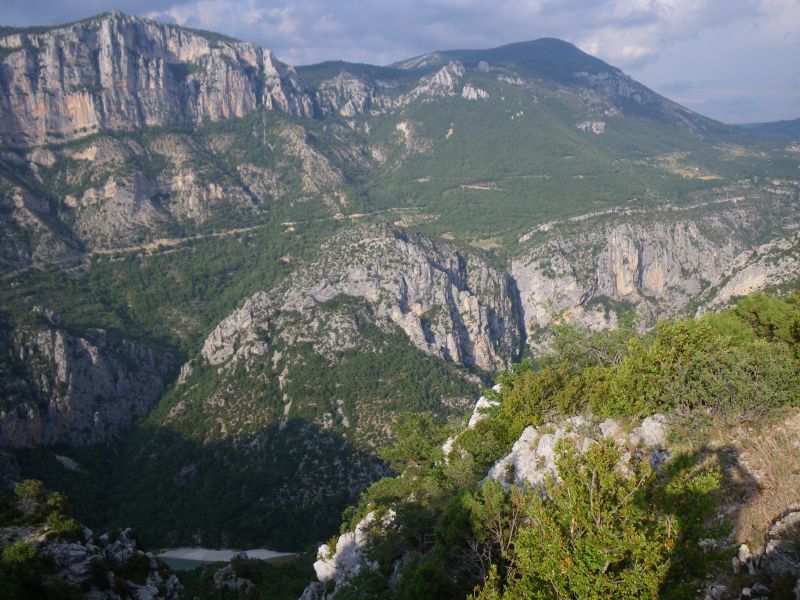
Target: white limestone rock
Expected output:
[440,84]
[595,127]
[609,428]
[72,561]
[659,261]
[781,553]
[117,72]
[532,458]
[651,433]
[470,92]
[463,315]
[348,558]
[479,413]
[84,390]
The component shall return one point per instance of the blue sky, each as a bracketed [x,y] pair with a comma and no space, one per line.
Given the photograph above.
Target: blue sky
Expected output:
[734,60]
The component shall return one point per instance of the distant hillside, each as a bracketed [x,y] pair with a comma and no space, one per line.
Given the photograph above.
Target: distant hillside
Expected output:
[789,128]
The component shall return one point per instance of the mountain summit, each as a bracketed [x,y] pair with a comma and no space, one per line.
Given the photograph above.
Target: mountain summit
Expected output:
[117,72]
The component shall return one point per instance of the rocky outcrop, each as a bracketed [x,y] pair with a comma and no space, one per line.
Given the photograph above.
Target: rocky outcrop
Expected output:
[531,461]
[227,578]
[119,192]
[772,566]
[27,234]
[348,558]
[781,555]
[479,413]
[441,84]
[615,85]
[318,175]
[449,305]
[347,95]
[116,72]
[470,92]
[110,566]
[772,264]
[533,457]
[72,389]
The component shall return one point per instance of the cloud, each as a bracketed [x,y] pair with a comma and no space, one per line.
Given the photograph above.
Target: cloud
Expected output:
[625,32]
[631,33]
[640,36]
[677,87]
[628,33]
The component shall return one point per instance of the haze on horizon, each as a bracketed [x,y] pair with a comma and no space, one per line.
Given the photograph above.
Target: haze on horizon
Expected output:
[733,60]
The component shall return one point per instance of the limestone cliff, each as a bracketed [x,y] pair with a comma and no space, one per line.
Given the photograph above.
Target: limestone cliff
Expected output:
[116,72]
[662,263]
[63,388]
[450,305]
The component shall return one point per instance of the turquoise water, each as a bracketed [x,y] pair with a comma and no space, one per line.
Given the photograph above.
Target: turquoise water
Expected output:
[187,564]
[184,564]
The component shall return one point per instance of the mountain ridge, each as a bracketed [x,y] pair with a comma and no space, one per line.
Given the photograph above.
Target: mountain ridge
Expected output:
[787,127]
[255,79]
[322,247]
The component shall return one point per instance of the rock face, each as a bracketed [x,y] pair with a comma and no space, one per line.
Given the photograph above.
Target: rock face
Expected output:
[227,579]
[26,218]
[479,413]
[777,563]
[471,92]
[348,95]
[442,83]
[590,268]
[528,465]
[75,390]
[348,558]
[771,264]
[449,305]
[128,193]
[118,72]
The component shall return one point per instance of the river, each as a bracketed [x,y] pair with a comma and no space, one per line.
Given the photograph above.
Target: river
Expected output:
[182,559]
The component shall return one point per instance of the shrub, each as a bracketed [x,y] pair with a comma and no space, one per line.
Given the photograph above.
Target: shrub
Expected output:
[608,532]
[63,527]
[35,501]
[20,552]
[592,536]
[136,568]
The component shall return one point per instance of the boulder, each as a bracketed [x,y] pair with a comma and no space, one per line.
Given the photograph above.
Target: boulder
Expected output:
[782,549]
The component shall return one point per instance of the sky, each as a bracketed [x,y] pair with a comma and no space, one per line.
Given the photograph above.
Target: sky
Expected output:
[733,60]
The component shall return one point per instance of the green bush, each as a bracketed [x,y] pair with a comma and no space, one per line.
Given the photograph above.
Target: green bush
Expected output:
[63,527]
[35,502]
[600,532]
[26,574]
[20,553]
[136,568]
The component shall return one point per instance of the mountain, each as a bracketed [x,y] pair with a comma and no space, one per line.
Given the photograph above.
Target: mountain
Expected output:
[228,277]
[64,83]
[163,136]
[789,128]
